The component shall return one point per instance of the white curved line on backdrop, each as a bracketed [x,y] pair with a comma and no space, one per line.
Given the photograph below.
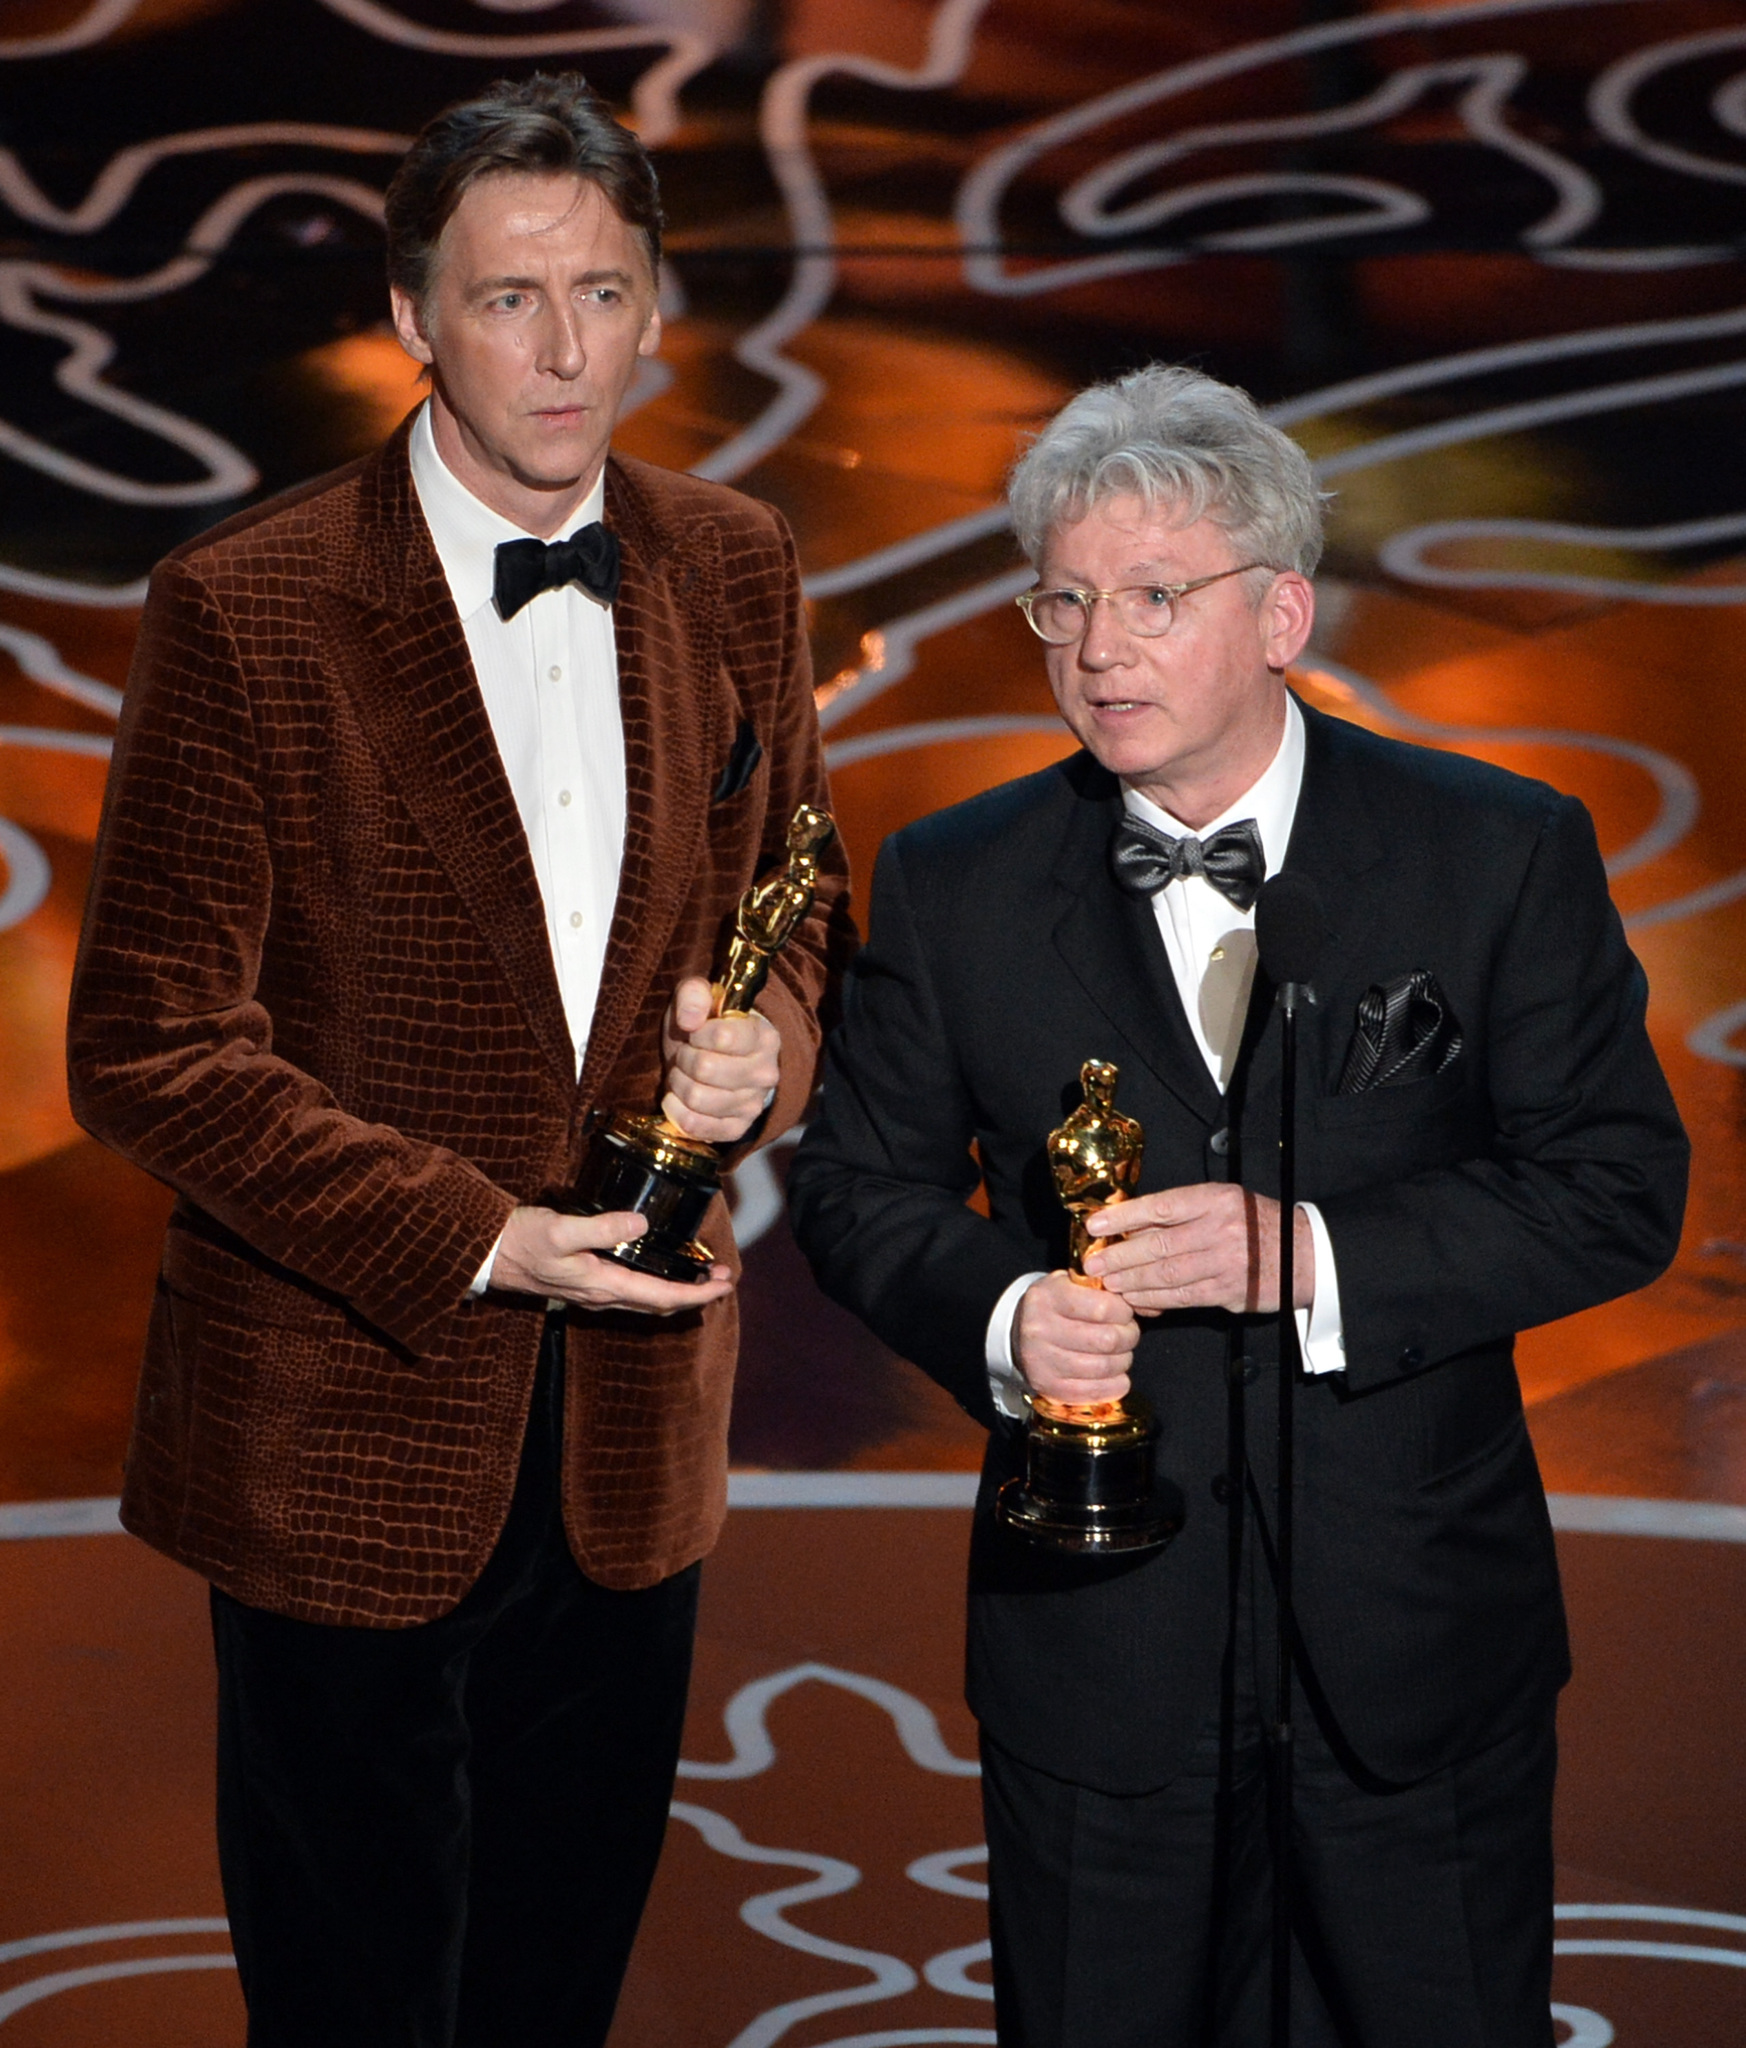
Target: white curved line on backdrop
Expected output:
[903,635]
[757,1196]
[93,25]
[1671,1916]
[949,1971]
[918,2037]
[1675,782]
[38,1988]
[41,661]
[50,739]
[91,1937]
[1655,1951]
[765,1914]
[1713,896]
[120,178]
[1403,555]
[1509,355]
[910,553]
[1585,1514]
[1534,412]
[754,1752]
[939,1872]
[782,122]
[933,732]
[654,97]
[35,1989]
[63,590]
[1492,80]
[1728,104]
[1610,97]
[1670,256]
[977,208]
[1713,1039]
[1588,2029]
[1390,206]
[229,473]
[28,875]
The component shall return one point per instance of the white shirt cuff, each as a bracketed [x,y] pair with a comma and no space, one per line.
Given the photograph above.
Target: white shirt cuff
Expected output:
[1005,1381]
[1320,1333]
[482,1279]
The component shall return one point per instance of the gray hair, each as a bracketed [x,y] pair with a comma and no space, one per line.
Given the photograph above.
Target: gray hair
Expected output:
[1177,439]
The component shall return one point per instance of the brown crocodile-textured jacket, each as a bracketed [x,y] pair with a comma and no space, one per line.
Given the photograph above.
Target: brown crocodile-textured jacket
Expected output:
[315,996]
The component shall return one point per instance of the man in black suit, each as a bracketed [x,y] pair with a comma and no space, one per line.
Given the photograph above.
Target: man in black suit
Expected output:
[1486,1142]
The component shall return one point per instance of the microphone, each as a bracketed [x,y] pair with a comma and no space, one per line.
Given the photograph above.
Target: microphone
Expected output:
[1291,930]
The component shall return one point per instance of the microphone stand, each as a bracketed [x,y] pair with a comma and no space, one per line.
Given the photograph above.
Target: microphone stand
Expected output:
[1291,929]
[1281,1747]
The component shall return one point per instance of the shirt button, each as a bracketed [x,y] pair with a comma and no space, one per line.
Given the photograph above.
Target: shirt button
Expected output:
[576,919]
[563,796]
[556,674]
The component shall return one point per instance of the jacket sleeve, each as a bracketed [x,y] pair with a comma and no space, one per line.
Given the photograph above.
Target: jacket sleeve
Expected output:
[879,1190]
[1580,1194]
[170,1054]
[806,973]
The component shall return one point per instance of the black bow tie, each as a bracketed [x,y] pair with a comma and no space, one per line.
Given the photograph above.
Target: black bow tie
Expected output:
[526,567]
[1145,860]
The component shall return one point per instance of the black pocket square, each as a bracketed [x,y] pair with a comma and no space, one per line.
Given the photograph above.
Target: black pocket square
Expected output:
[1406,1032]
[747,752]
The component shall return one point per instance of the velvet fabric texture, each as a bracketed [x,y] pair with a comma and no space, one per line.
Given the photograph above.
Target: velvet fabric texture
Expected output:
[315,996]
[443,1836]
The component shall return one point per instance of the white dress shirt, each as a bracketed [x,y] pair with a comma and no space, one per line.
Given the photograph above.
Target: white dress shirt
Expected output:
[549,678]
[1210,944]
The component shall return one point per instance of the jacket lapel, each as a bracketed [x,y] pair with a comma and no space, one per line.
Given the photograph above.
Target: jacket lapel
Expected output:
[394,640]
[1335,845]
[668,626]
[1110,942]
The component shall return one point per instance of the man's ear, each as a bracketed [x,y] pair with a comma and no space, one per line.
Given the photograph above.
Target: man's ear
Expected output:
[409,325]
[1289,615]
[650,339]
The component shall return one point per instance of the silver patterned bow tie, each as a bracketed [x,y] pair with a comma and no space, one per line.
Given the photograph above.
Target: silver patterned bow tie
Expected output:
[1145,860]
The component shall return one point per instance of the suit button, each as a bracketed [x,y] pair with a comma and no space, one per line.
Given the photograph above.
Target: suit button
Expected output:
[1219,1143]
[1222,1489]
[1251,1371]
[1412,1358]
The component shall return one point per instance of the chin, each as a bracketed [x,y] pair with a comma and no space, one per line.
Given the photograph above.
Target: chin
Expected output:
[1122,754]
[555,469]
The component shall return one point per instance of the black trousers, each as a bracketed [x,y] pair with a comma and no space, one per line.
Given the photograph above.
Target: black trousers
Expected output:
[1423,1913]
[443,1836]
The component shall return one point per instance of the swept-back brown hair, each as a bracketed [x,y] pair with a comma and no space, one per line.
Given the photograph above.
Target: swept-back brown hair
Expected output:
[550,122]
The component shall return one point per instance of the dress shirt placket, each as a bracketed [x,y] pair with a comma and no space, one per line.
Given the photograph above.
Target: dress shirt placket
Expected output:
[1193,918]
[562,821]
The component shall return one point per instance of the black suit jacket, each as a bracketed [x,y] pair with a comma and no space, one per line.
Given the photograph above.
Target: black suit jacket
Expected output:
[1544,1171]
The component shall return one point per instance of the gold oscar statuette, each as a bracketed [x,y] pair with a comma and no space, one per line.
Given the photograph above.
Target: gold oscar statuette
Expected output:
[1091,1483]
[645,1163]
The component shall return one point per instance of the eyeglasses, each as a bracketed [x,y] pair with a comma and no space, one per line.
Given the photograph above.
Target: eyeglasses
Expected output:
[1147,610]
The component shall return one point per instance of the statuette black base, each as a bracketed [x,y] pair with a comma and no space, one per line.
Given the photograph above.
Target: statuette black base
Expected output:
[1092,1487]
[1088,1528]
[640,1164]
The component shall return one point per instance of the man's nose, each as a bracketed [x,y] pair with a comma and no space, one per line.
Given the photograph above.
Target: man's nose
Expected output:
[1106,642]
[562,352]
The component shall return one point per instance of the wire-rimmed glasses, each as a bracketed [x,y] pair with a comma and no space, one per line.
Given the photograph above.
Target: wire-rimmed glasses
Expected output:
[1147,610]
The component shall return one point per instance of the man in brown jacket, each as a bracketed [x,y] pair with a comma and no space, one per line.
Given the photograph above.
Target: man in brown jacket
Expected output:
[421,837]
